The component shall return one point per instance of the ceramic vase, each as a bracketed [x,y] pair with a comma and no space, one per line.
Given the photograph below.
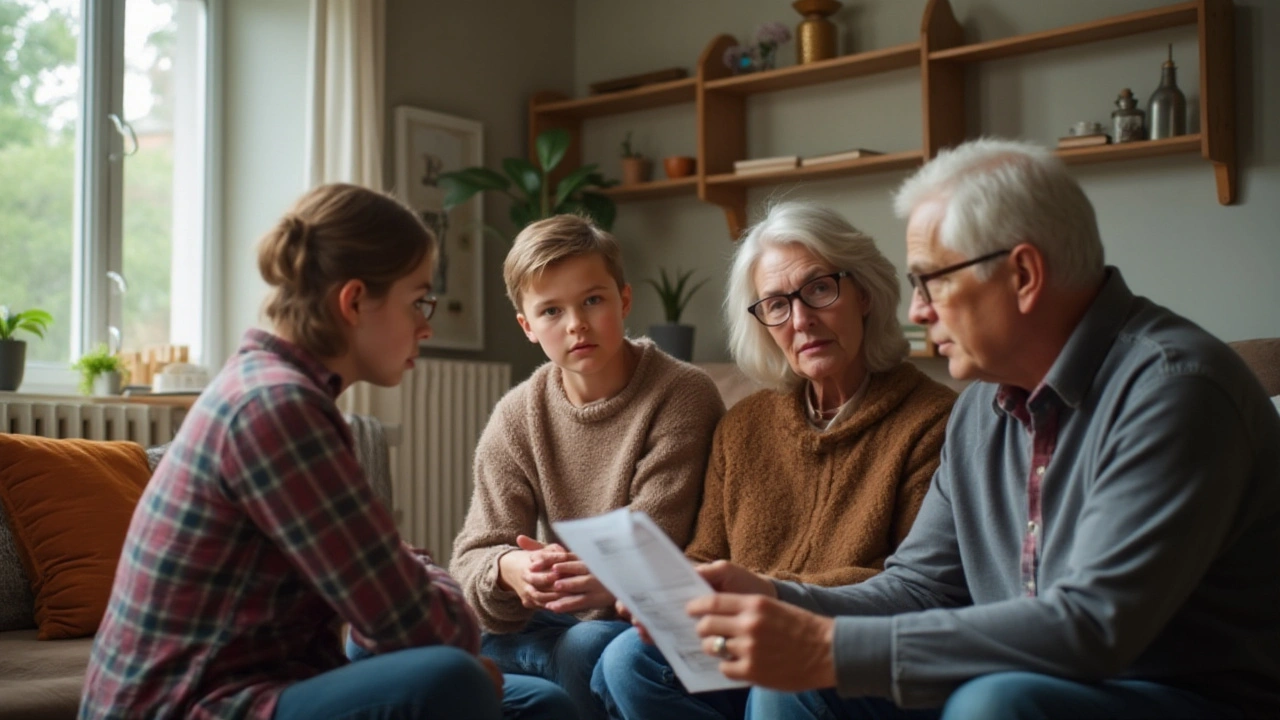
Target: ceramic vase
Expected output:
[636,170]
[816,35]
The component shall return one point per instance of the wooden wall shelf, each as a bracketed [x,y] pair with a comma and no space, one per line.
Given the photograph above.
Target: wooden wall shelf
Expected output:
[1131,150]
[719,100]
[876,163]
[1079,34]
[653,190]
[941,54]
[841,68]
[672,92]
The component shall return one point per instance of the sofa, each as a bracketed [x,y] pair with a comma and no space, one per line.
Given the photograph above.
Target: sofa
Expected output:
[41,679]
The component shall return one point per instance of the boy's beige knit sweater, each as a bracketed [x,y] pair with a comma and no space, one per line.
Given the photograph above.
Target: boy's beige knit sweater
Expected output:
[541,460]
[822,507]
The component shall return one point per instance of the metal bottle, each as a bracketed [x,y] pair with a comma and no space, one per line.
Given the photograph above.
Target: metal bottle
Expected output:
[1168,106]
[1127,121]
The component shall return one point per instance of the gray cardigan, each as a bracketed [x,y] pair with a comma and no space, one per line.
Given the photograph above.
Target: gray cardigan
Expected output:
[1160,547]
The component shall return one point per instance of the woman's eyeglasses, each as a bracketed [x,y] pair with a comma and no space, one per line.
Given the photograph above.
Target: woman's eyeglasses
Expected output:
[816,293]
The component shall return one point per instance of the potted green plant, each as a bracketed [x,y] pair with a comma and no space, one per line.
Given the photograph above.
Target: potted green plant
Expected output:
[674,338]
[13,352]
[636,168]
[530,188]
[101,372]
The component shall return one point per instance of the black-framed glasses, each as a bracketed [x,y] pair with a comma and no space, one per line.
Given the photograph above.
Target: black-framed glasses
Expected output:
[918,282]
[816,293]
[426,306]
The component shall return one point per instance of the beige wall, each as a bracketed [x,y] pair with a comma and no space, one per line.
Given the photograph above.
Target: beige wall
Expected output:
[481,60]
[1160,218]
[478,60]
[261,146]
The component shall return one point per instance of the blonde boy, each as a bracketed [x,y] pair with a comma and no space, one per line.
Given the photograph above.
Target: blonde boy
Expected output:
[608,423]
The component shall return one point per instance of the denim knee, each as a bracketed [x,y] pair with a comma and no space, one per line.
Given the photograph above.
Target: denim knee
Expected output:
[445,669]
[774,705]
[627,658]
[584,643]
[999,695]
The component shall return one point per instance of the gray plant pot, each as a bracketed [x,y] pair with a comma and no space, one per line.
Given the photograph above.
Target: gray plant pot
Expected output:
[107,383]
[674,340]
[13,361]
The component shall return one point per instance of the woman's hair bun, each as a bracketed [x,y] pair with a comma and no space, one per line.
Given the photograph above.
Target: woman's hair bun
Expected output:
[283,253]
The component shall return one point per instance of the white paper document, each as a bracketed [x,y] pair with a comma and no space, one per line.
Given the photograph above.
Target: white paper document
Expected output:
[640,565]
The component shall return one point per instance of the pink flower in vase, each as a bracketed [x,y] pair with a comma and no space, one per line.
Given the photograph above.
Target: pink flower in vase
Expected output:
[769,37]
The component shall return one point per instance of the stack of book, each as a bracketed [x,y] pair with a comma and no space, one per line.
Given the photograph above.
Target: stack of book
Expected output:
[1075,141]
[852,154]
[916,336]
[764,165]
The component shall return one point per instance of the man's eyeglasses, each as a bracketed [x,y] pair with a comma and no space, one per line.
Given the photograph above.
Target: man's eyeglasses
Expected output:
[426,306]
[816,293]
[918,282]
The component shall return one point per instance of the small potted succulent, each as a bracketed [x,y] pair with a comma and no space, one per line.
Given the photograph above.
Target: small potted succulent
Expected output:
[674,338]
[13,352]
[636,168]
[101,372]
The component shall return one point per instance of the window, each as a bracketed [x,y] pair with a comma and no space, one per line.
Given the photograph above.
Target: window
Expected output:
[104,174]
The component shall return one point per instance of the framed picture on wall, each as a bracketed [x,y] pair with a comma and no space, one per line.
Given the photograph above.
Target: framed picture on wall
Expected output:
[429,144]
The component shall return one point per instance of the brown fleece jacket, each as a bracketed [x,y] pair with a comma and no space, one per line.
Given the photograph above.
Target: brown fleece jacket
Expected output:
[822,507]
[541,460]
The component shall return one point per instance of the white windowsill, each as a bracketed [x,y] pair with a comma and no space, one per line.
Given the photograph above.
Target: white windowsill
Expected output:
[41,378]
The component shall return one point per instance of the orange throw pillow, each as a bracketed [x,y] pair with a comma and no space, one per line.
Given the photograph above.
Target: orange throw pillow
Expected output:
[69,504]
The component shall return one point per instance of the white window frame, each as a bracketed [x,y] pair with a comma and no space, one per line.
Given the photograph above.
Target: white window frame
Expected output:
[99,193]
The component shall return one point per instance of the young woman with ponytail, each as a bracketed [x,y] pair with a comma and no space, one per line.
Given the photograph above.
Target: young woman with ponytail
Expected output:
[259,536]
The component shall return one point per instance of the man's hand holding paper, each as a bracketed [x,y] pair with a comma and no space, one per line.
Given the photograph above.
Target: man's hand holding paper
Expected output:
[649,575]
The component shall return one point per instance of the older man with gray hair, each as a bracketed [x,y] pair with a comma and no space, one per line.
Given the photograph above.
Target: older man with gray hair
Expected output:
[1102,537]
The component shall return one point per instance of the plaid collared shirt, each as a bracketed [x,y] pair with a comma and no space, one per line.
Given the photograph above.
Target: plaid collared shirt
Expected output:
[256,538]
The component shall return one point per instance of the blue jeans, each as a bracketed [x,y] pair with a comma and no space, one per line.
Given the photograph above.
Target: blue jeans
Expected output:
[635,682]
[426,682]
[1004,696]
[560,648]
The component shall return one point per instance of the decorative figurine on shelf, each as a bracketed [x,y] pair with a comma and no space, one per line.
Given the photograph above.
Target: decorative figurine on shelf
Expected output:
[1168,106]
[1127,121]
[761,54]
[815,35]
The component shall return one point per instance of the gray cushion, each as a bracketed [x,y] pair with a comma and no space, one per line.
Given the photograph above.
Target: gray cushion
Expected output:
[155,453]
[16,602]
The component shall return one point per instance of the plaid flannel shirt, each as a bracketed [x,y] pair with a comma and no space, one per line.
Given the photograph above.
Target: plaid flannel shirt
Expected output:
[256,538]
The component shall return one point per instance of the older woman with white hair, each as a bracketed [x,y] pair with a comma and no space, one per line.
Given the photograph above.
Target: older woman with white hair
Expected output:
[818,477]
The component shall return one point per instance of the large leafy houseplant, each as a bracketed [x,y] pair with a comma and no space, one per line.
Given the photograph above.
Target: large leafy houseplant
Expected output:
[530,188]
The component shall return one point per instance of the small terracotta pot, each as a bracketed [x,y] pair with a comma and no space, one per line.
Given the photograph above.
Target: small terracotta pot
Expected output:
[678,166]
[636,170]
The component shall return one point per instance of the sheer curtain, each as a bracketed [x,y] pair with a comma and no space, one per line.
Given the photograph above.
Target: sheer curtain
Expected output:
[347,64]
[347,61]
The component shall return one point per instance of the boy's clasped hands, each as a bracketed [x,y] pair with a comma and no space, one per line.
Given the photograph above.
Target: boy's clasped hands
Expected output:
[547,575]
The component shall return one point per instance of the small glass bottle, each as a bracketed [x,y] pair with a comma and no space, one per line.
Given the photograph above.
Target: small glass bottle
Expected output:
[1127,121]
[1168,106]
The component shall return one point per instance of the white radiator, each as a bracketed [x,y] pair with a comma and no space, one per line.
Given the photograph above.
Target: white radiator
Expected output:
[146,425]
[445,405]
